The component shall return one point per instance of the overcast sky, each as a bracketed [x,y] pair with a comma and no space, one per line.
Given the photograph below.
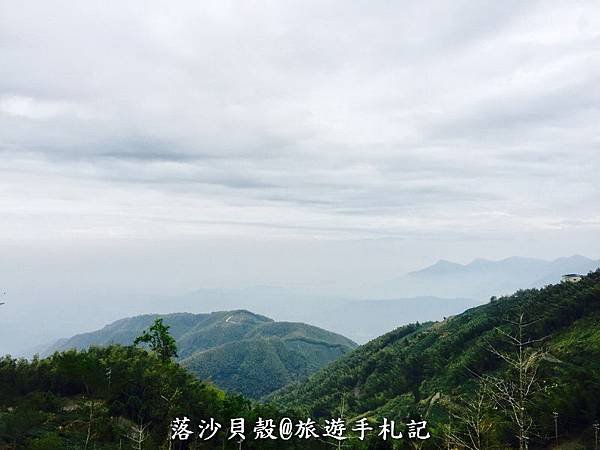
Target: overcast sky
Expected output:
[171,145]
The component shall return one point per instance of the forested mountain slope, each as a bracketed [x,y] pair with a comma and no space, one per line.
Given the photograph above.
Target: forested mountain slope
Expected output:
[111,398]
[426,369]
[238,350]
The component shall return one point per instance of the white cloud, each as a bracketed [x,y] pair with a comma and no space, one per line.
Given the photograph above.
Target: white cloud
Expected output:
[32,108]
[321,119]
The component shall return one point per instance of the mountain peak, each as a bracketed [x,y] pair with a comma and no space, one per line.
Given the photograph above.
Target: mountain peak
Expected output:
[482,278]
[440,267]
[280,352]
[573,259]
[477,262]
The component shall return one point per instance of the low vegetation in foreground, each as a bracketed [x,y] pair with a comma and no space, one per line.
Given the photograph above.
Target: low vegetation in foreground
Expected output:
[114,397]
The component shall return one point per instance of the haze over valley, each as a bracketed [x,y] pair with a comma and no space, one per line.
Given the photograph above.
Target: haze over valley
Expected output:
[361,314]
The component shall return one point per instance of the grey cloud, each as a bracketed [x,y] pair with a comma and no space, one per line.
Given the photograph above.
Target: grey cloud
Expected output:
[423,109]
[525,113]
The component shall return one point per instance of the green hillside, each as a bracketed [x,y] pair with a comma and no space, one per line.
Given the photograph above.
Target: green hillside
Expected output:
[238,350]
[124,331]
[111,398]
[430,370]
[255,367]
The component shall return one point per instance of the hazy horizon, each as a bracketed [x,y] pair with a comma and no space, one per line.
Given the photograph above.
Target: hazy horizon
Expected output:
[35,316]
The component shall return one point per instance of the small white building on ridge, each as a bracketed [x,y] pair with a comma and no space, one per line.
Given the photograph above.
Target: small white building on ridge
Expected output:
[571,278]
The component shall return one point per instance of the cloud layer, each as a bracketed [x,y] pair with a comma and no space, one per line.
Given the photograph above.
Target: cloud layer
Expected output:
[299,119]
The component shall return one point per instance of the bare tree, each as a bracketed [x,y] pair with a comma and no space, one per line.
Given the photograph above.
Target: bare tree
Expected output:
[340,443]
[475,423]
[517,387]
[170,401]
[138,435]
[91,404]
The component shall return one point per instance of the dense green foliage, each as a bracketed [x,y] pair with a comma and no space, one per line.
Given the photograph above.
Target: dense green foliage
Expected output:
[50,399]
[256,367]
[238,350]
[421,370]
[159,340]
[100,395]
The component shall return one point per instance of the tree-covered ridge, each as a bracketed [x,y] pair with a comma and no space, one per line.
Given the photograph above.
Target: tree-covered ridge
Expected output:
[181,326]
[238,350]
[425,369]
[102,397]
[256,367]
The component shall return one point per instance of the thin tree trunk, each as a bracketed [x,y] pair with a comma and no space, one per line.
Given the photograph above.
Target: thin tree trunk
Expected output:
[89,430]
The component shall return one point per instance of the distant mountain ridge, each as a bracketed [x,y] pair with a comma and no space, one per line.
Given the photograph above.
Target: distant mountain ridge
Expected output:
[482,278]
[239,350]
[361,313]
